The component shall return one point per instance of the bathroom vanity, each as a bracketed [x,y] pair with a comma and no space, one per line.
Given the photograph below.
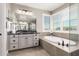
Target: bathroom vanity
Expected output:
[24,29]
[22,41]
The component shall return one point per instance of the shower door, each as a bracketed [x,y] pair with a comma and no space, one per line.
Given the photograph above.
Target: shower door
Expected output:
[69,28]
[74,29]
[61,28]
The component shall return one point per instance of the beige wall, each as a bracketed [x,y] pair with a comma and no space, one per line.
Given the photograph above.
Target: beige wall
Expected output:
[3,38]
[0,29]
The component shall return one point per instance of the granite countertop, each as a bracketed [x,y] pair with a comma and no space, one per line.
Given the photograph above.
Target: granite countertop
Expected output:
[22,33]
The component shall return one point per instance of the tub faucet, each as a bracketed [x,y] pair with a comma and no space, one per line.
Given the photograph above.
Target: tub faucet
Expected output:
[62,43]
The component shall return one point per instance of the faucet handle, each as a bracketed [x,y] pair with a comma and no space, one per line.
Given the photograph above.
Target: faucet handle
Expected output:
[58,43]
[67,45]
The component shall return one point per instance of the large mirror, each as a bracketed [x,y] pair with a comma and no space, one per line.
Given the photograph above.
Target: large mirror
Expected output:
[22,23]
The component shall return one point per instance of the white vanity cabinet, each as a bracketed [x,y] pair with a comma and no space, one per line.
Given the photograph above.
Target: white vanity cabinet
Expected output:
[28,40]
[12,42]
[25,40]
[22,41]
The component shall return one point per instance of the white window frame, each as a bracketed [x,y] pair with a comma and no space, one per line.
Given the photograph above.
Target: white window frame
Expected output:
[62,24]
[43,23]
[61,28]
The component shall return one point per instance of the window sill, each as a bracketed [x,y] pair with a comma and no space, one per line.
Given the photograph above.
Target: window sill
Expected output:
[69,32]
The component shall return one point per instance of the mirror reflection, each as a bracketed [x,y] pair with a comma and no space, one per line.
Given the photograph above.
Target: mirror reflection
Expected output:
[24,22]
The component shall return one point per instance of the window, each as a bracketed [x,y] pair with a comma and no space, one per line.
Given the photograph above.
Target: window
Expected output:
[66,26]
[65,21]
[57,21]
[70,25]
[70,20]
[46,23]
[74,17]
[74,24]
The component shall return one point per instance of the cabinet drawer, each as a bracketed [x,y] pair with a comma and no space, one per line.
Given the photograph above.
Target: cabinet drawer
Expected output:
[25,42]
[36,38]
[13,36]
[23,37]
[14,40]
[27,35]
[29,42]
[36,42]
[13,46]
[36,35]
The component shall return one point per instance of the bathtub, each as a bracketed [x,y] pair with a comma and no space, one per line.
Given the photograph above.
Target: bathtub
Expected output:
[50,44]
[57,40]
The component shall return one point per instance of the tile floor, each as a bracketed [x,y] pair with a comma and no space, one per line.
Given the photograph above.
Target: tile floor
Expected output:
[36,51]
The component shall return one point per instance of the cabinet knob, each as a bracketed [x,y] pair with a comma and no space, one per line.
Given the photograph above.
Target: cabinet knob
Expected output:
[36,43]
[0,34]
[35,34]
[13,40]
[26,38]
[14,36]
[13,46]
[35,38]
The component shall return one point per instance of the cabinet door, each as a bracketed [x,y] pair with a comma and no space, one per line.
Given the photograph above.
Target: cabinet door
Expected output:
[29,42]
[25,41]
[22,42]
[14,40]
[13,46]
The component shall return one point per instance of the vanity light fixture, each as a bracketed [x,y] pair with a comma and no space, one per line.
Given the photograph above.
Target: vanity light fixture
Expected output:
[24,12]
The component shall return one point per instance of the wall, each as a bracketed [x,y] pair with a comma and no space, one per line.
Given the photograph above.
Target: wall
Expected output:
[0,30]
[3,39]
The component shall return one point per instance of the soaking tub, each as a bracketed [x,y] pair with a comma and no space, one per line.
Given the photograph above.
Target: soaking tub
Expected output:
[59,40]
[53,45]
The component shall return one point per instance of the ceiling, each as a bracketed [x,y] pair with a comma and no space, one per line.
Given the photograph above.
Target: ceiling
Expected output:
[43,6]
